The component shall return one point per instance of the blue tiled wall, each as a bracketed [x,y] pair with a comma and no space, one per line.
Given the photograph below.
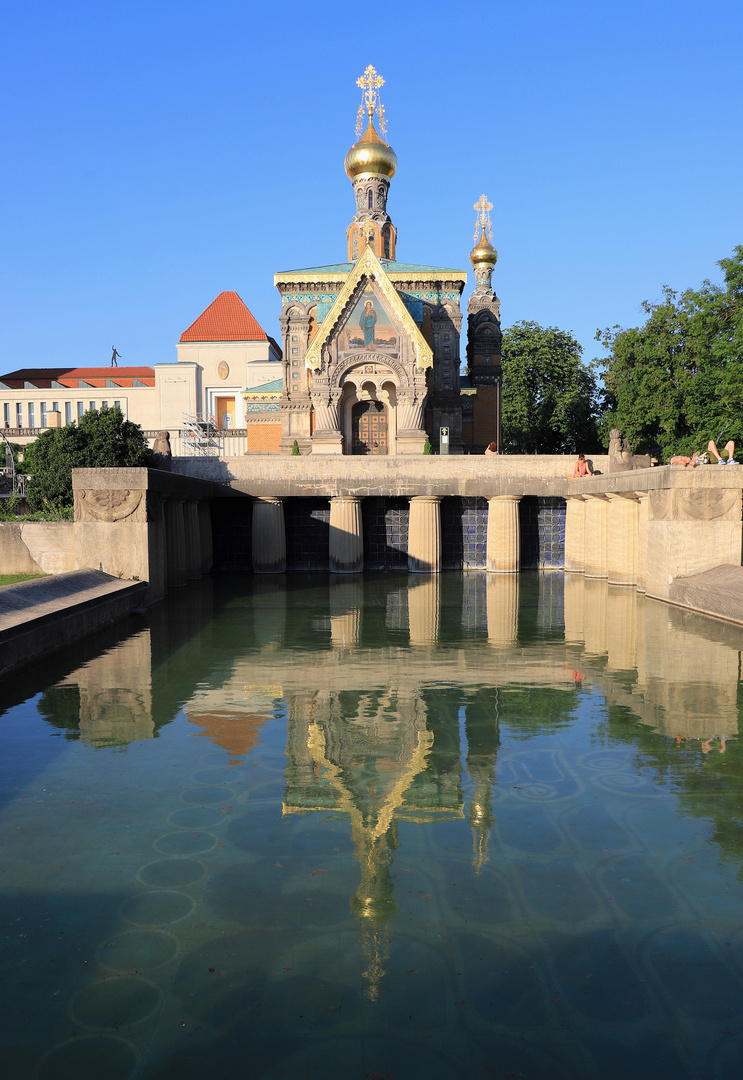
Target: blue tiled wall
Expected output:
[232,533]
[542,522]
[464,529]
[307,532]
[385,523]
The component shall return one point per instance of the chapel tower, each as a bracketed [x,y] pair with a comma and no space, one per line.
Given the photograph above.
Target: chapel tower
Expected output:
[484,333]
[370,165]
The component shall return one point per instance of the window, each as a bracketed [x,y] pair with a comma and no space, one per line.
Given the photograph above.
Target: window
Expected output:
[18,414]
[104,404]
[55,406]
[68,412]
[6,414]
[92,406]
[31,420]
[371,199]
[117,404]
[80,410]
[43,414]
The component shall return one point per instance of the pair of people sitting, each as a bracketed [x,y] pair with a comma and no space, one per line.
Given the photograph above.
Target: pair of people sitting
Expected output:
[713,456]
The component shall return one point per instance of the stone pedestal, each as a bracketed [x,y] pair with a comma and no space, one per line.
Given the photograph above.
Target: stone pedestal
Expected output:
[423,612]
[327,442]
[269,536]
[503,553]
[175,541]
[622,539]
[193,539]
[424,535]
[575,534]
[502,600]
[346,541]
[597,509]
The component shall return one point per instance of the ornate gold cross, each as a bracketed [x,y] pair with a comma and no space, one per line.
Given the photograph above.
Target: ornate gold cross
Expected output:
[483,208]
[370,82]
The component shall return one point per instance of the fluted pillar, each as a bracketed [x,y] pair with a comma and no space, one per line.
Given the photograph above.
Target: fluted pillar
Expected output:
[346,541]
[193,539]
[424,603]
[269,536]
[205,535]
[503,552]
[597,507]
[424,535]
[622,539]
[175,541]
[502,599]
[642,539]
[575,534]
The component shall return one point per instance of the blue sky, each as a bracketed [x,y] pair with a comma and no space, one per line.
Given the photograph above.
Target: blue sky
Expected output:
[156,153]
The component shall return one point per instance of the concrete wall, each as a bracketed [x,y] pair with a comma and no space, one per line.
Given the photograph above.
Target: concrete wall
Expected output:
[36,547]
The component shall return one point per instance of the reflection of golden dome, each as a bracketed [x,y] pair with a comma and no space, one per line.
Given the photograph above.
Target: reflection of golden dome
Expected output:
[371,154]
[483,251]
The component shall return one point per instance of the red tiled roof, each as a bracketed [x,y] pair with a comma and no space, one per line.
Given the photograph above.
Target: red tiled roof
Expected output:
[110,373]
[226,319]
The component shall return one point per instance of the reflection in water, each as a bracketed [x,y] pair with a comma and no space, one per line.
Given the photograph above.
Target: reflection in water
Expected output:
[530,775]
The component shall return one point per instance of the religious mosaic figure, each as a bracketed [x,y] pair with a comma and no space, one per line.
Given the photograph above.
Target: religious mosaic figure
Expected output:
[368,322]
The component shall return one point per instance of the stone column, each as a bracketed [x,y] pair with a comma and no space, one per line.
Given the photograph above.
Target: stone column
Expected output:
[423,612]
[346,541]
[193,539]
[175,539]
[622,539]
[575,534]
[269,536]
[642,539]
[503,552]
[424,535]
[502,599]
[205,535]
[597,507]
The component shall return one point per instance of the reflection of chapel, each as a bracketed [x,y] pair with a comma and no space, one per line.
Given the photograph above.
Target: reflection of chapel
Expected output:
[371,346]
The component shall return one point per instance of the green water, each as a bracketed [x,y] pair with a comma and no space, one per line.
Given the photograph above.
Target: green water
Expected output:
[309,827]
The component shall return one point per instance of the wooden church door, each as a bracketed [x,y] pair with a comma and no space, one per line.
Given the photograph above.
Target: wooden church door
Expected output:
[369,420]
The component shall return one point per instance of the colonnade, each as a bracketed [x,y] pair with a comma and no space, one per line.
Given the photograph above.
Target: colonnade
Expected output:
[346,538]
[606,537]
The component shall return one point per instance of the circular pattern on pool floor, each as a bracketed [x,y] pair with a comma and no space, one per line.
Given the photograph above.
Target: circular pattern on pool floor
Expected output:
[185,843]
[156,908]
[206,795]
[138,950]
[172,873]
[89,1056]
[115,1003]
[195,817]
[216,774]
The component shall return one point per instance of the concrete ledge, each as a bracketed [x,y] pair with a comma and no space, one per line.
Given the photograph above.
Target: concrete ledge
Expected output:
[38,618]
[717,592]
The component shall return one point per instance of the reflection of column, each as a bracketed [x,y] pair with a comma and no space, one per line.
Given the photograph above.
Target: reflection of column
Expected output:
[503,554]
[423,612]
[175,539]
[575,534]
[424,535]
[642,539]
[622,529]
[503,608]
[597,507]
[205,535]
[116,694]
[193,539]
[346,602]
[268,601]
[594,616]
[573,600]
[621,629]
[269,536]
[346,542]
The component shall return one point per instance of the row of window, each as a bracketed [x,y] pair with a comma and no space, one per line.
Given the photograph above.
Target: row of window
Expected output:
[15,416]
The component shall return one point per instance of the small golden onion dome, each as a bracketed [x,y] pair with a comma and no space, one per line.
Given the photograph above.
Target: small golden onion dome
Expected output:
[371,155]
[483,251]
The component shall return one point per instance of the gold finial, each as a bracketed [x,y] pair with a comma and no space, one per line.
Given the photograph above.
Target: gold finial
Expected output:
[483,208]
[370,83]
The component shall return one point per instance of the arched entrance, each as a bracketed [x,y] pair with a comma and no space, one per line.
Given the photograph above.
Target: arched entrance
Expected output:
[370,428]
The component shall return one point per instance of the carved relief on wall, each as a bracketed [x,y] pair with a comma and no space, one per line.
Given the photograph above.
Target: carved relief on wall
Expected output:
[108,506]
[709,505]
[223,369]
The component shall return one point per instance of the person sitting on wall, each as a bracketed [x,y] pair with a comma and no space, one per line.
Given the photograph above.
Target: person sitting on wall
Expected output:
[491,448]
[724,458]
[582,468]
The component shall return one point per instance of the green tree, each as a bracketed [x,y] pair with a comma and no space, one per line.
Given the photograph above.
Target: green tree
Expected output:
[548,393]
[677,381]
[100,440]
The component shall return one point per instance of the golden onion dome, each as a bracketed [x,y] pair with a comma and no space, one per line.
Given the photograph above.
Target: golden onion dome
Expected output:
[371,154]
[483,251]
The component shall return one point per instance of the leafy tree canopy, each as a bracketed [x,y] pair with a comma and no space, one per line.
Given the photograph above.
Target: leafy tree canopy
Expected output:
[99,440]
[677,381]
[548,393]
